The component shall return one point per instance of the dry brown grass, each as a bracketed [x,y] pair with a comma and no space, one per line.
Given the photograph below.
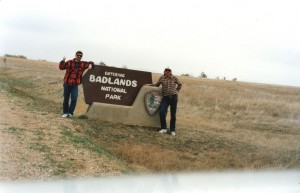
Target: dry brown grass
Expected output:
[220,124]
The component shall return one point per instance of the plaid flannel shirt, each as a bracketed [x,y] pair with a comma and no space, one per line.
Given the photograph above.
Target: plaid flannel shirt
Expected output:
[73,75]
[170,85]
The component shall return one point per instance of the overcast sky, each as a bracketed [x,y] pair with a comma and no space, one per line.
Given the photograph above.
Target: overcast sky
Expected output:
[254,41]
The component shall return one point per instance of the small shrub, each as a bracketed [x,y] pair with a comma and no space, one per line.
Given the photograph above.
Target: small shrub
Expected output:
[15,56]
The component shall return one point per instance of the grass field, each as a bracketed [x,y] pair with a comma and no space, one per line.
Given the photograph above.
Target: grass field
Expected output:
[221,125]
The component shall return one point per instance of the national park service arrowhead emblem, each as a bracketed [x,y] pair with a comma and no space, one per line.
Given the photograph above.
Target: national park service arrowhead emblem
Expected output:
[152,101]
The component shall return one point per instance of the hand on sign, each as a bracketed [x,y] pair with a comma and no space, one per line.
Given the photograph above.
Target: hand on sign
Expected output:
[91,64]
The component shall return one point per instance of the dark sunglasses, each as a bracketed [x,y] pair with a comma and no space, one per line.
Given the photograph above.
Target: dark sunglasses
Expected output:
[79,56]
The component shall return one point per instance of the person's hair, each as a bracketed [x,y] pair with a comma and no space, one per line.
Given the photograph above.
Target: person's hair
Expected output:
[167,70]
[79,52]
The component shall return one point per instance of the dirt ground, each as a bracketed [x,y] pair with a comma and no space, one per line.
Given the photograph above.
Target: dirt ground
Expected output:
[32,147]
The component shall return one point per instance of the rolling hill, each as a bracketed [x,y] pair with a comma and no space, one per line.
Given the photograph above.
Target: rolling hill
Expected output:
[221,125]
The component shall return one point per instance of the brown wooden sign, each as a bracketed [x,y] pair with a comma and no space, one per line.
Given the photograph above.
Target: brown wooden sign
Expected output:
[111,85]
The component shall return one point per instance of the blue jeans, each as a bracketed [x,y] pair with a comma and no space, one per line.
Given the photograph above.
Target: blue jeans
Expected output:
[73,91]
[165,103]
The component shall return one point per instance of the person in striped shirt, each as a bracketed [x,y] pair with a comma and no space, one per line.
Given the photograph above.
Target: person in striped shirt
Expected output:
[73,76]
[170,87]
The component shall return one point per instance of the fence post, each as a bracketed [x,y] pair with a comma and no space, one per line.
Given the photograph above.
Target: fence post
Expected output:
[4,60]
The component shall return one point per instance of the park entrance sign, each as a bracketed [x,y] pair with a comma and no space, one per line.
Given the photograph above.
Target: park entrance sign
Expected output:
[110,85]
[121,96]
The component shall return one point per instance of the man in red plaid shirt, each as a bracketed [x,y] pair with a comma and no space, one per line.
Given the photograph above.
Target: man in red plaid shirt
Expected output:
[74,70]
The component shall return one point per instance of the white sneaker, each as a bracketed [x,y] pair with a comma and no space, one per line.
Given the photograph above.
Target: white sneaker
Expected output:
[173,133]
[69,115]
[64,116]
[163,131]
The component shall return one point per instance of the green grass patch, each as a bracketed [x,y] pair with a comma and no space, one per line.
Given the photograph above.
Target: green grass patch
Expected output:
[118,136]
[39,147]
[61,168]
[15,130]
[68,133]
[87,143]
[82,138]
[40,134]
[25,89]
[84,117]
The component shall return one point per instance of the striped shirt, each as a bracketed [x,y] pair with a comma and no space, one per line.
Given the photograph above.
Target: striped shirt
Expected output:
[74,71]
[170,85]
